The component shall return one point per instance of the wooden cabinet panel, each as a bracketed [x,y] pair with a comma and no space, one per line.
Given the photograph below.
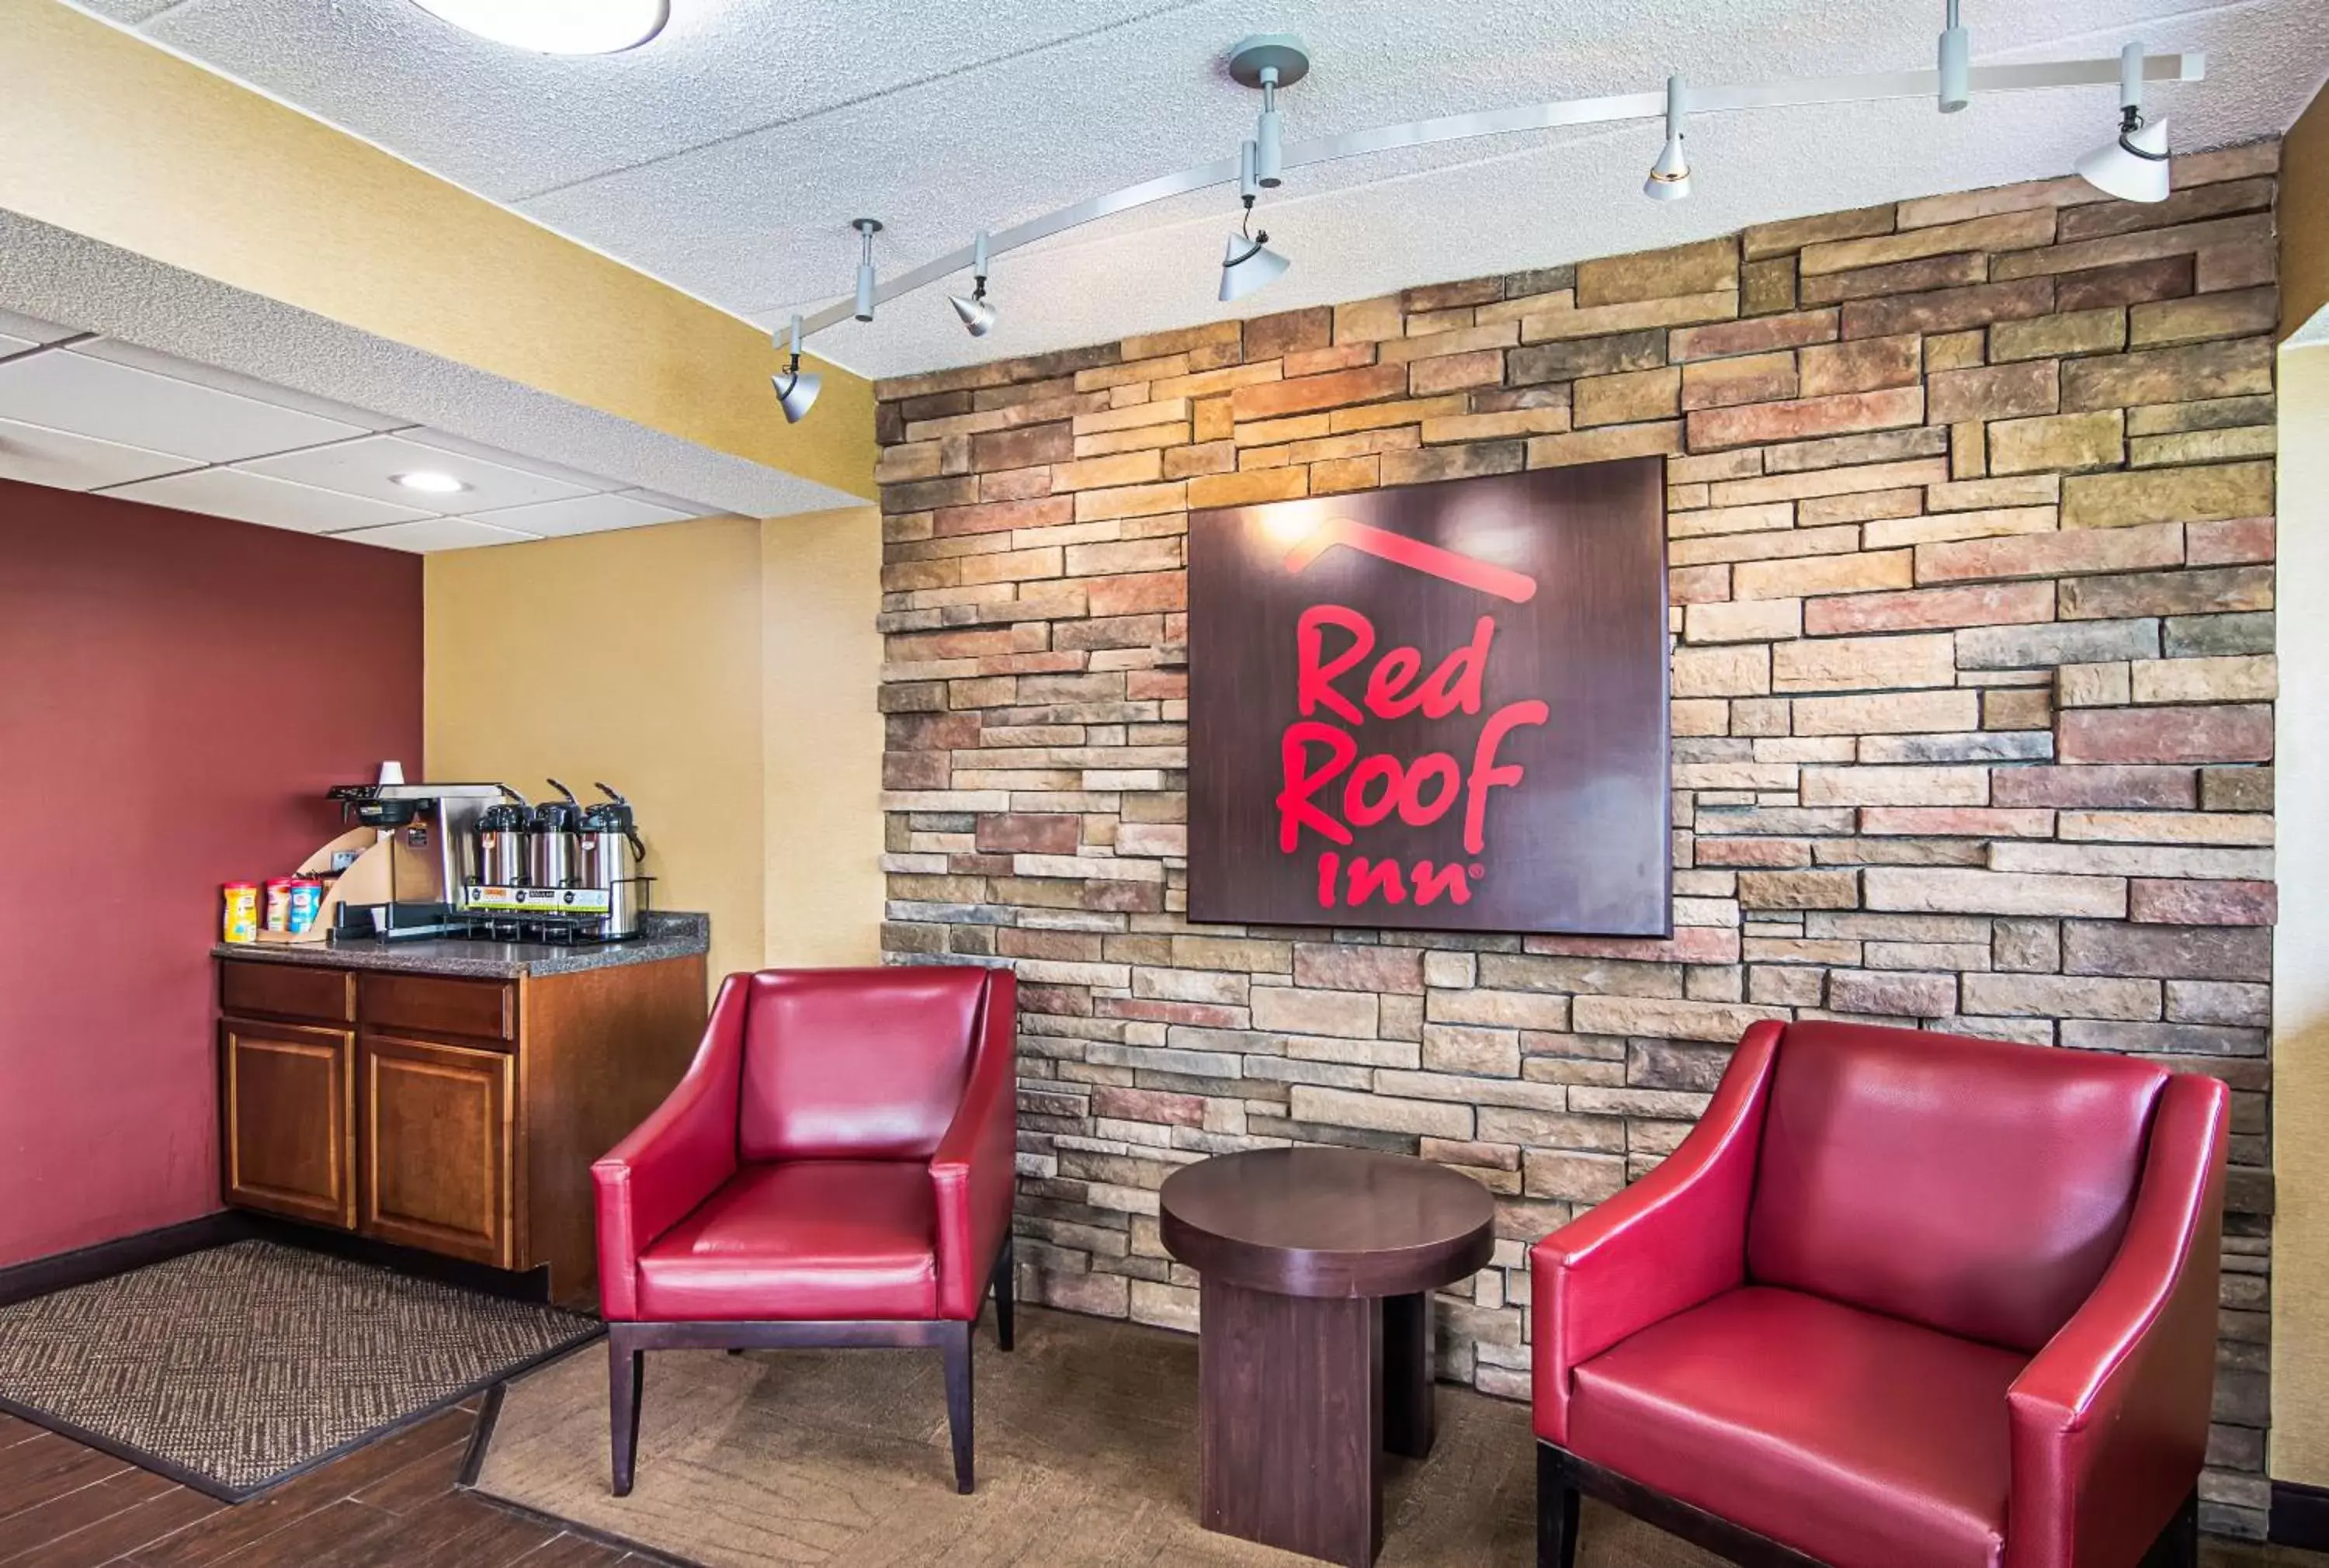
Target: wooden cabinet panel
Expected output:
[438,1168]
[287,1118]
[248,987]
[424,1004]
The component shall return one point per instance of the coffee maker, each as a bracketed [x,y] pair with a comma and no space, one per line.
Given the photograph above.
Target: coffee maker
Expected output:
[430,833]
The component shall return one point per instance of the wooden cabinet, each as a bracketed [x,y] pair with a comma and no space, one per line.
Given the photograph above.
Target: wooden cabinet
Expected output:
[287,1133]
[437,1170]
[452,1114]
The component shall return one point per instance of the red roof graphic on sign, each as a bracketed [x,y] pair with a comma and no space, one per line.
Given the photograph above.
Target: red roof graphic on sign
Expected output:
[1401,551]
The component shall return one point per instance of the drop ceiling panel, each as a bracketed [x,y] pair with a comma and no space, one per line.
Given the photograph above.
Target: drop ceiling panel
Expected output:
[582,515]
[32,329]
[66,389]
[436,533]
[10,345]
[257,498]
[64,460]
[242,385]
[729,154]
[572,477]
[368,468]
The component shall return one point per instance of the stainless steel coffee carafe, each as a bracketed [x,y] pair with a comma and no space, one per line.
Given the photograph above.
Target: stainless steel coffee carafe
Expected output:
[505,845]
[611,854]
[555,843]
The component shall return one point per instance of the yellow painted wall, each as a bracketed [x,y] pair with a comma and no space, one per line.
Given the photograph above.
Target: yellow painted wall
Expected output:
[822,755]
[2305,216]
[723,676]
[2299,1439]
[653,685]
[108,136]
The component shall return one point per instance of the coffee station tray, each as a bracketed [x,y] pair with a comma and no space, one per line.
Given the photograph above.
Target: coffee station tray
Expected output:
[663,935]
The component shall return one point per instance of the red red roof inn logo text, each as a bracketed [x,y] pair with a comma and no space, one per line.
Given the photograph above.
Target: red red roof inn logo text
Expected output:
[1442,706]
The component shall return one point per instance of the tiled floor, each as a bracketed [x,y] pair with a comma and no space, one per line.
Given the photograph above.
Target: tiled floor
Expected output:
[393,1504]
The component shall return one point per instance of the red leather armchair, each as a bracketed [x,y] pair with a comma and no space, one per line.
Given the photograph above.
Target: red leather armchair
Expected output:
[1900,1300]
[837,1168]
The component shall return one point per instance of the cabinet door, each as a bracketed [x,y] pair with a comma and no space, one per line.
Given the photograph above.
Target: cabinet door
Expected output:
[436,1146]
[287,1109]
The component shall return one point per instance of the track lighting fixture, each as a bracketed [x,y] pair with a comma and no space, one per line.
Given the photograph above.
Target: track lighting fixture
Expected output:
[1669,178]
[2133,168]
[1956,64]
[1248,263]
[797,390]
[977,315]
[868,227]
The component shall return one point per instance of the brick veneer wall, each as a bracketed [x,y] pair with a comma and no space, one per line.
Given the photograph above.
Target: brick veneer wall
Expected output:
[1972,578]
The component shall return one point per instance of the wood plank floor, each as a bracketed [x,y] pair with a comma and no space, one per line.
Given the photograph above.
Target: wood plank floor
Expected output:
[390,1505]
[393,1503]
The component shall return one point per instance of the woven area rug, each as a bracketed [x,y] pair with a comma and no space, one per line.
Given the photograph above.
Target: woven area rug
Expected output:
[237,1367]
[1087,1458]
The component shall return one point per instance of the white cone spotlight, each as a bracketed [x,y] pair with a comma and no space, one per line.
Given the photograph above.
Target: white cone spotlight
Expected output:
[1669,178]
[2135,166]
[977,315]
[1248,264]
[796,389]
[796,393]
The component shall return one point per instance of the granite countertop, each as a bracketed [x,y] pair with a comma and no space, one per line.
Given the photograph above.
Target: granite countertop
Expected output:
[662,936]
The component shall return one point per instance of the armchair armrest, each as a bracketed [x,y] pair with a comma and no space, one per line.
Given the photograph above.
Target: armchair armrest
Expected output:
[975,1166]
[2109,1421]
[1672,1240]
[676,1159]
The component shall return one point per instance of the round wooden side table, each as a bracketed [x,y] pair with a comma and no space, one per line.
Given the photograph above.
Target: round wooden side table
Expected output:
[1315,1348]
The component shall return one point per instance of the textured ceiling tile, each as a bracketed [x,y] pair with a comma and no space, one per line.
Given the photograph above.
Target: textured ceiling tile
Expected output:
[728,156]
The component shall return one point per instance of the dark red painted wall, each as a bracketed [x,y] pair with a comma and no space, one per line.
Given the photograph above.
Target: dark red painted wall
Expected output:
[175,693]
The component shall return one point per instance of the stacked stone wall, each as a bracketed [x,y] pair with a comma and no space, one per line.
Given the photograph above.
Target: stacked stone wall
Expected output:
[1971,544]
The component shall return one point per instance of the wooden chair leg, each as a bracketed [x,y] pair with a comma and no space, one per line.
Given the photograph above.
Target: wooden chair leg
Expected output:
[958,1345]
[1006,1291]
[625,1382]
[1556,1513]
[2178,1545]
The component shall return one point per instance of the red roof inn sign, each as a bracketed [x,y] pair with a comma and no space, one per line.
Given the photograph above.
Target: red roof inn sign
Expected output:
[1440,707]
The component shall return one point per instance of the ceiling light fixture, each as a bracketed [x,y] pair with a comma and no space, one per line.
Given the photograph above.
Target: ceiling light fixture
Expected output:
[1669,178]
[556,26]
[1249,262]
[2133,168]
[977,315]
[1956,64]
[867,227]
[797,390]
[428,482]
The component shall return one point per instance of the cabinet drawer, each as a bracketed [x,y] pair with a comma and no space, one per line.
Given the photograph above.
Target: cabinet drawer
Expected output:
[428,1005]
[287,990]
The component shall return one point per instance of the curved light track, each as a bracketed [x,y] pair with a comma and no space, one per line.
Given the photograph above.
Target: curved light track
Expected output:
[1581,111]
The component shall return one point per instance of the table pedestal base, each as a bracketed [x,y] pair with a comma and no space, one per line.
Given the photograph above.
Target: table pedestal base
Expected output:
[1300,1397]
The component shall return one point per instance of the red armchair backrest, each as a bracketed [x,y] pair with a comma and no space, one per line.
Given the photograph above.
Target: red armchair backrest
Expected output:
[1976,1187]
[863,1063]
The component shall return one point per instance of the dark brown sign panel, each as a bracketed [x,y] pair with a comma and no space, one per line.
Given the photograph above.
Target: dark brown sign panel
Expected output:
[1440,707]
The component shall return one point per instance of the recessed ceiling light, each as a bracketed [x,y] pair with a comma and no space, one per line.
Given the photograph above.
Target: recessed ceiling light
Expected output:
[557,26]
[430,482]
